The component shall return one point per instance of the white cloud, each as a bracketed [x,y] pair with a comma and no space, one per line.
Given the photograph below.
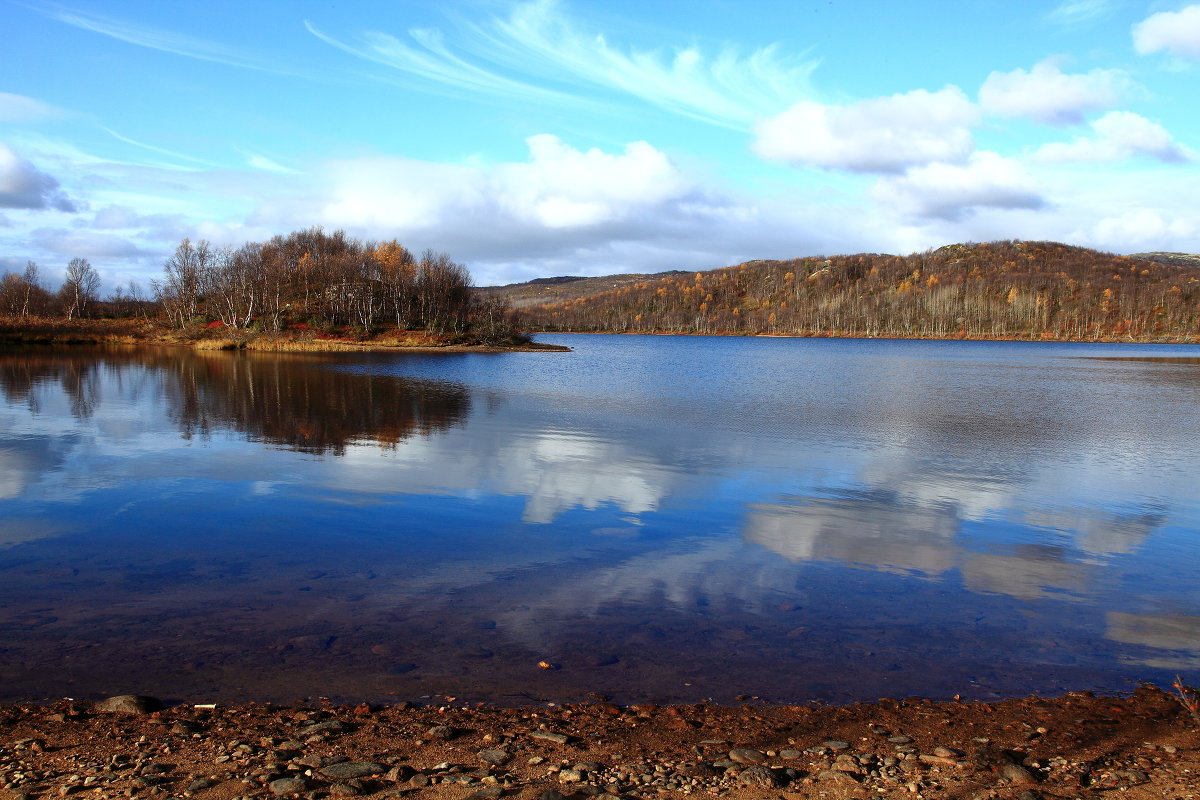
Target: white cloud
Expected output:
[22,185]
[83,243]
[1175,32]
[162,40]
[564,187]
[559,187]
[269,165]
[886,134]
[951,191]
[1118,135]
[21,109]
[1144,228]
[1046,94]
[514,57]
[1072,12]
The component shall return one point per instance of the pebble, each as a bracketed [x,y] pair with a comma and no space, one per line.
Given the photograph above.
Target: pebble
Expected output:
[495,756]
[130,704]
[443,732]
[1016,774]
[833,776]
[745,755]
[759,776]
[284,786]
[834,744]
[550,736]
[352,769]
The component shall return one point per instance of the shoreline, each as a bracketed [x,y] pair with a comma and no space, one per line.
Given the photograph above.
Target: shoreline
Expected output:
[1181,339]
[1080,745]
[50,332]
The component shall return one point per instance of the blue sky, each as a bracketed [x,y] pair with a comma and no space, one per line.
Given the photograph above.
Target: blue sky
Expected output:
[558,137]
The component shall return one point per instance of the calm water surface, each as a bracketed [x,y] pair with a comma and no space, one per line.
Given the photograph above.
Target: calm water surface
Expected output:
[664,519]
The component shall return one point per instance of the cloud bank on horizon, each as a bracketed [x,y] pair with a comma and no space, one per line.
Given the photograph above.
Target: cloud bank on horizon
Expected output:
[543,137]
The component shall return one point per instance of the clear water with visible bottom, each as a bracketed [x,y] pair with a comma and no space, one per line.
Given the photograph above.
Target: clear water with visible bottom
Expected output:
[659,518]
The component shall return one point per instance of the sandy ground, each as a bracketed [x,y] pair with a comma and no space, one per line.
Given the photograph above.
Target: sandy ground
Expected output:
[1078,746]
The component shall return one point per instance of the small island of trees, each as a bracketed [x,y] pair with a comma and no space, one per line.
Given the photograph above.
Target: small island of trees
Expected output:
[309,287]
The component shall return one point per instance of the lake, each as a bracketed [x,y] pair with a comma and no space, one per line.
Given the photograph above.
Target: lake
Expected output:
[659,519]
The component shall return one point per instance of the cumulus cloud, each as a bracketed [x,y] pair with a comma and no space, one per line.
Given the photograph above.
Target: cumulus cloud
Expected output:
[22,185]
[1118,135]
[559,187]
[1144,228]
[952,191]
[886,134]
[20,109]
[1046,94]
[1174,32]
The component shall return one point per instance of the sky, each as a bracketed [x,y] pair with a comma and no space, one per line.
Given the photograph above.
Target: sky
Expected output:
[578,137]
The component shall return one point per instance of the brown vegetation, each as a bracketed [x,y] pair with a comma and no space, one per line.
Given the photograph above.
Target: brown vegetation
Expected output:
[306,290]
[1002,290]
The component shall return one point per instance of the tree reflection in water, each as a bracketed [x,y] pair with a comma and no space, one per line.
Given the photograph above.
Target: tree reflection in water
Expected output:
[283,400]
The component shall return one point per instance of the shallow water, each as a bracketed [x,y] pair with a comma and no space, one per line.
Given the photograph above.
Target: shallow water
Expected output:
[661,518]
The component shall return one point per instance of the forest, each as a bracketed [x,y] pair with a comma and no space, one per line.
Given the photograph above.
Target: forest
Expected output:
[307,283]
[1000,290]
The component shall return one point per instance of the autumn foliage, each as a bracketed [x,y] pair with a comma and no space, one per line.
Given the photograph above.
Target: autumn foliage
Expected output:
[1007,289]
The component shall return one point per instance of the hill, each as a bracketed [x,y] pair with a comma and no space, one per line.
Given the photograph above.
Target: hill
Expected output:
[1177,259]
[1007,289]
[548,291]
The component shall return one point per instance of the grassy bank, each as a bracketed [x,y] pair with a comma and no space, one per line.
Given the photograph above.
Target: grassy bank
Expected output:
[297,339]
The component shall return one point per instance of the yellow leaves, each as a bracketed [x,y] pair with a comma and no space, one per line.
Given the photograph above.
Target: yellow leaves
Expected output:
[1012,295]
[932,280]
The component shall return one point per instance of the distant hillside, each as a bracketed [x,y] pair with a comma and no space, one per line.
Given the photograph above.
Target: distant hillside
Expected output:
[546,291]
[1041,290]
[1176,259]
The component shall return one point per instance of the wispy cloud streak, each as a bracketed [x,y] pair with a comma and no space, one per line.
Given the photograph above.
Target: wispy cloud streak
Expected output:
[165,41]
[1073,12]
[434,63]
[163,152]
[540,45]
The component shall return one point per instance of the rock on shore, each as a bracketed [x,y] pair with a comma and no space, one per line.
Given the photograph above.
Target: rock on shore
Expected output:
[1077,746]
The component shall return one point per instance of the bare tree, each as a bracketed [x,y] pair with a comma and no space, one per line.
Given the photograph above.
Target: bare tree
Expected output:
[79,289]
[180,292]
[33,291]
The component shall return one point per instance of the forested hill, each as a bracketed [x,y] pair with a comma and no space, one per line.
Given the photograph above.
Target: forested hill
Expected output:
[1041,290]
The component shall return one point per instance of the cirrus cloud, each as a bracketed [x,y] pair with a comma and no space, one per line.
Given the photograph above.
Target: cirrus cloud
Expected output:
[21,109]
[882,135]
